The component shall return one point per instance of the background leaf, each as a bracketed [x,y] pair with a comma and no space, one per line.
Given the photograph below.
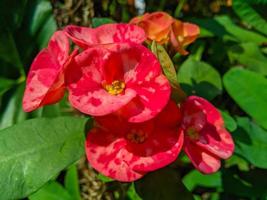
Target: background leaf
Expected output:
[71,182]
[250,56]
[51,191]
[33,152]
[246,12]
[199,78]
[248,89]
[251,142]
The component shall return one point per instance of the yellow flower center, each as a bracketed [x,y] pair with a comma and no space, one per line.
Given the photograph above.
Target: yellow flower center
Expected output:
[115,88]
[136,136]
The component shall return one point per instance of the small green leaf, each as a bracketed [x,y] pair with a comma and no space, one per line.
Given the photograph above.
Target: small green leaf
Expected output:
[166,63]
[98,21]
[71,182]
[195,178]
[104,179]
[229,122]
[162,184]
[34,151]
[251,142]
[131,193]
[51,191]
[248,89]
[199,78]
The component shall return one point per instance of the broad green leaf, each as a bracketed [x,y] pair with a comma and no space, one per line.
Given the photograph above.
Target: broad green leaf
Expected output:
[251,142]
[5,84]
[195,178]
[71,182]
[250,56]
[248,89]
[199,78]
[51,191]
[34,151]
[229,122]
[247,13]
[98,21]
[162,184]
[224,27]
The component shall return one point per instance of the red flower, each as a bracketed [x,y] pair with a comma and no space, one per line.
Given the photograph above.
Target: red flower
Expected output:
[163,28]
[126,78]
[126,151]
[206,140]
[106,34]
[45,82]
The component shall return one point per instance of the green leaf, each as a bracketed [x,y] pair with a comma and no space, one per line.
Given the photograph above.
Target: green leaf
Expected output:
[251,142]
[51,191]
[162,184]
[199,78]
[250,56]
[248,89]
[229,122]
[224,27]
[33,152]
[71,182]
[98,21]
[5,84]
[103,178]
[247,13]
[12,112]
[131,193]
[8,50]
[195,178]
[166,63]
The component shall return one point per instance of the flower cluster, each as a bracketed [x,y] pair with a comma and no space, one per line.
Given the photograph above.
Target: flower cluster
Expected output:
[111,76]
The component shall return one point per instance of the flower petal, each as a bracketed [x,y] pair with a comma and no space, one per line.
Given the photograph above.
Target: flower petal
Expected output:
[105,34]
[45,74]
[218,142]
[161,149]
[148,94]
[107,153]
[157,25]
[201,159]
[84,79]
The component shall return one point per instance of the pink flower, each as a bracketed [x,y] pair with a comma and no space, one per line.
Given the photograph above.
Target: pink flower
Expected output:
[206,140]
[45,81]
[125,78]
[126,151]
[106,34]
